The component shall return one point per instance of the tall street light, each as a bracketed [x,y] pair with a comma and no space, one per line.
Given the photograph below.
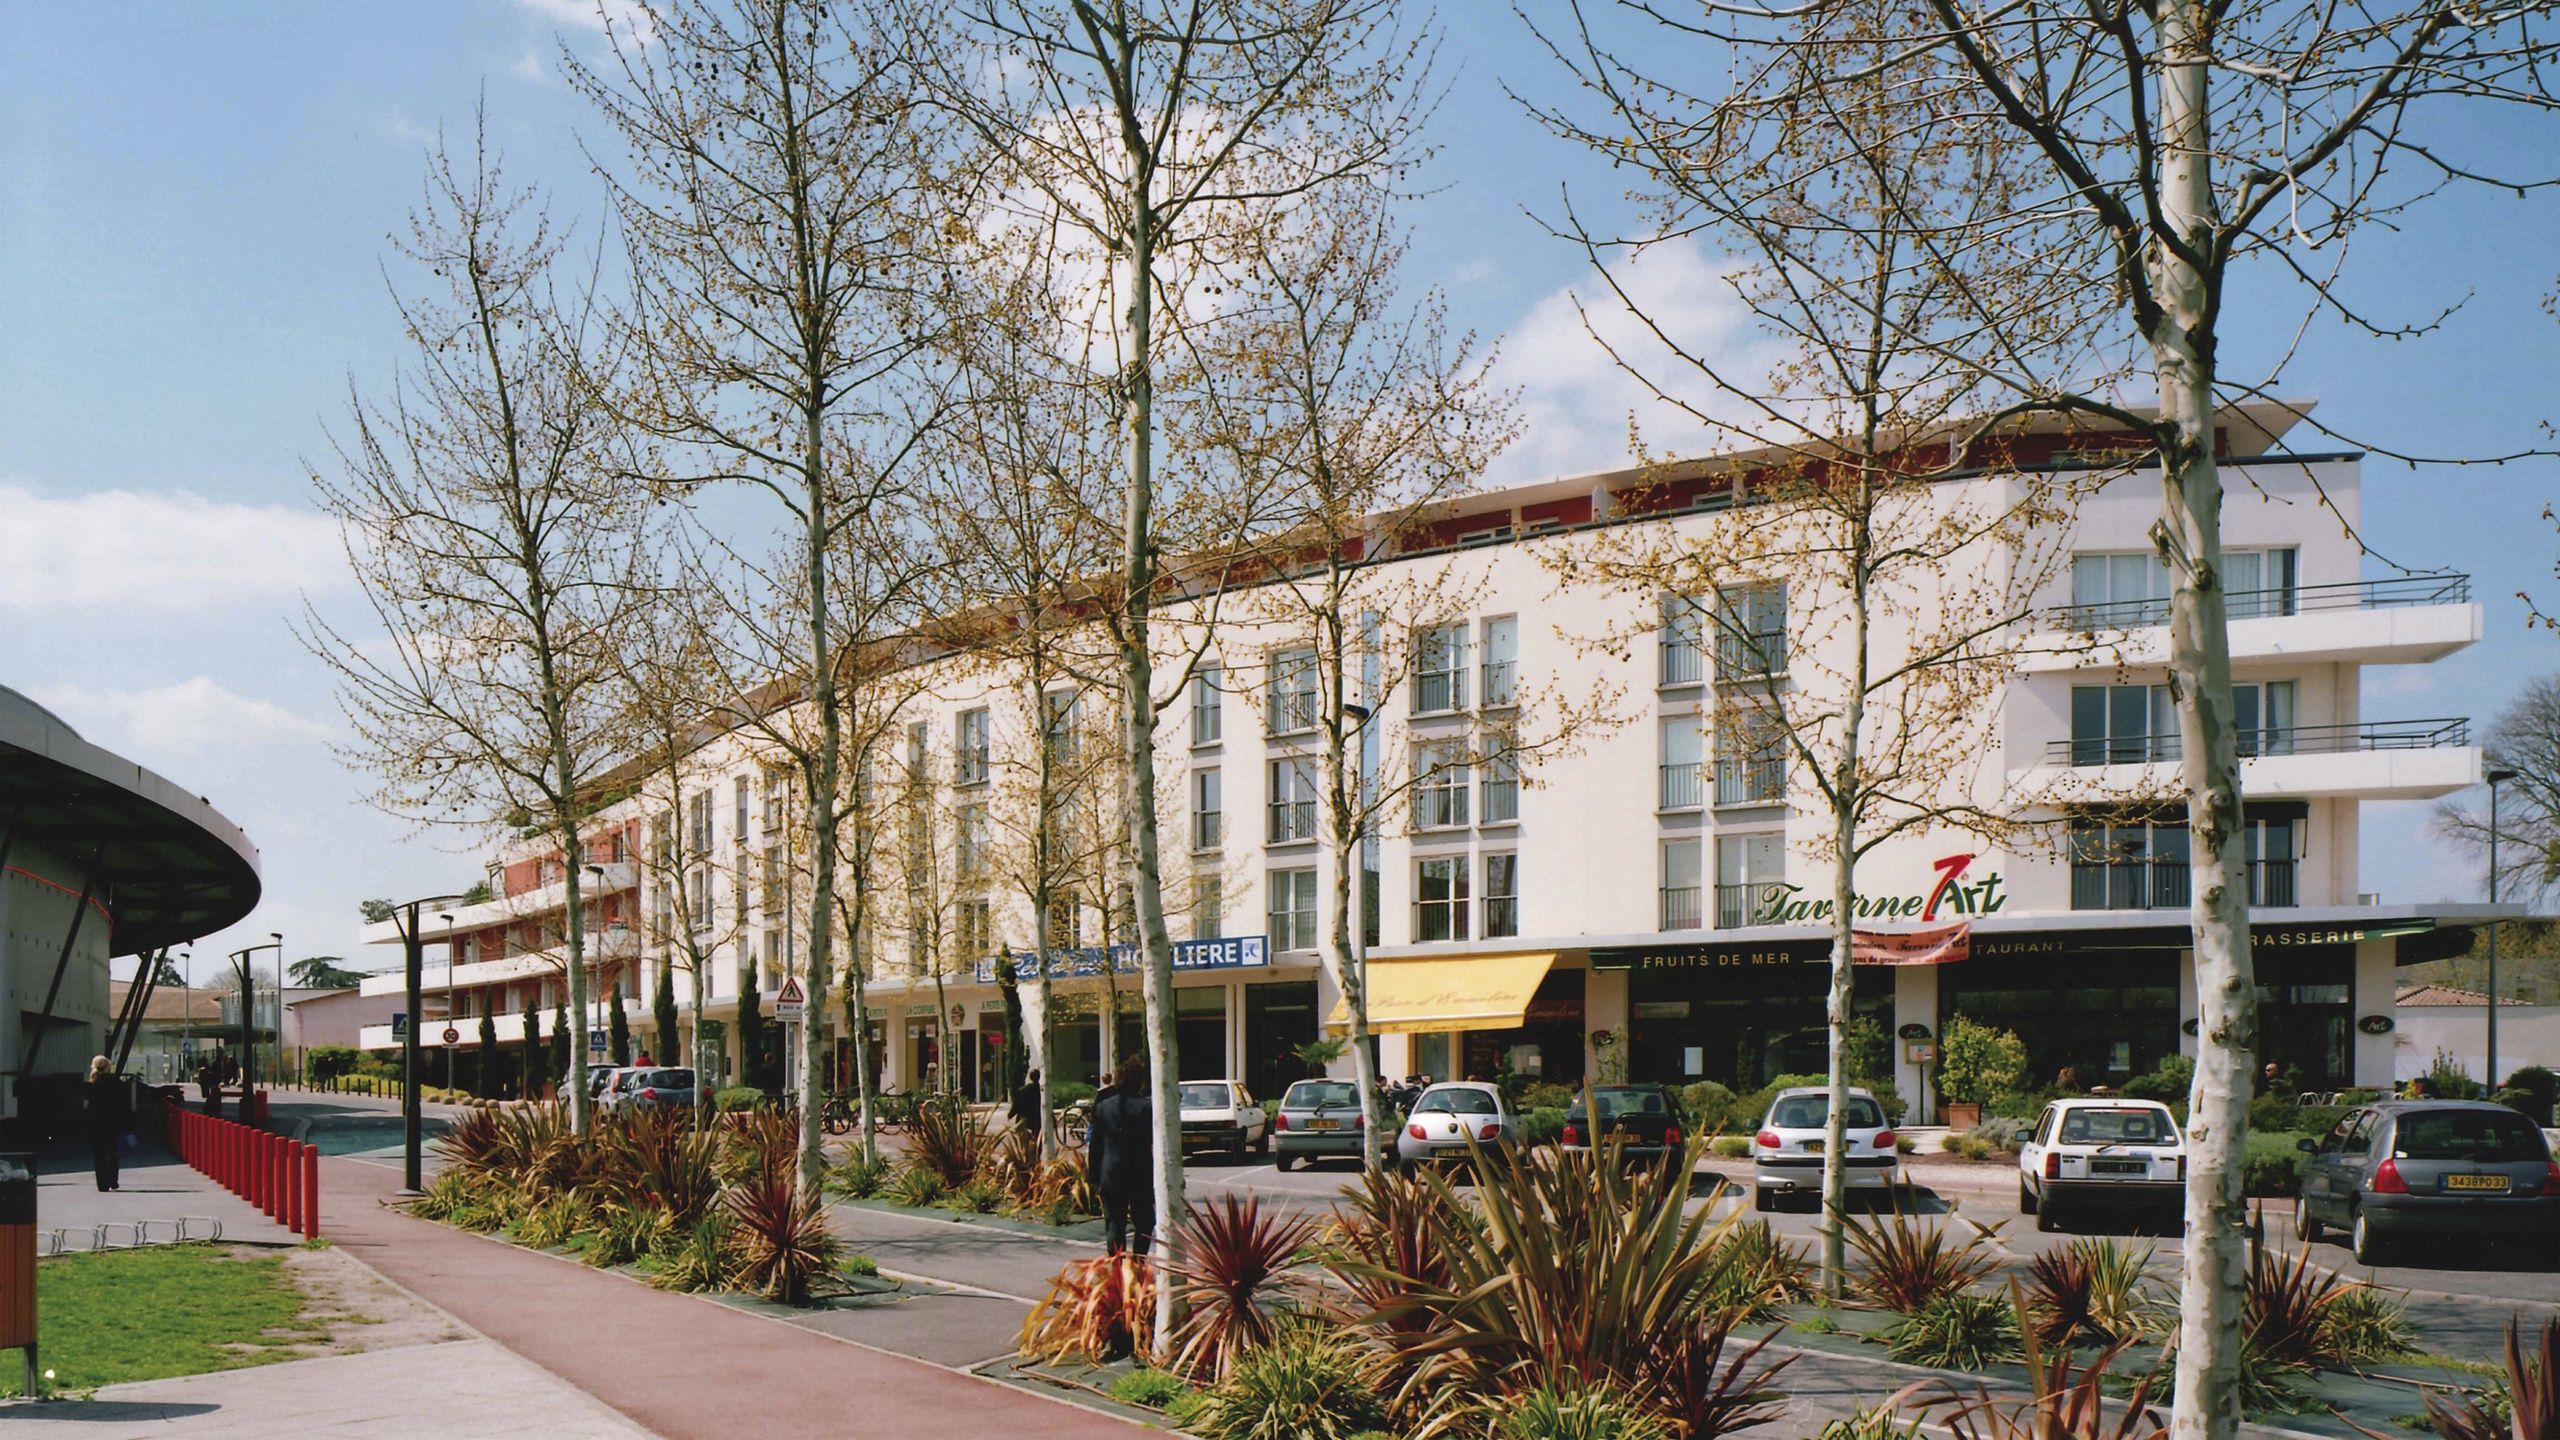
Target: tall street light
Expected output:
[249,1013]
[412,1167]
[2495,778]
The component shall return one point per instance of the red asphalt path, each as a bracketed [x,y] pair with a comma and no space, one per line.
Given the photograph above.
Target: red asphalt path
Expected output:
[679,1365]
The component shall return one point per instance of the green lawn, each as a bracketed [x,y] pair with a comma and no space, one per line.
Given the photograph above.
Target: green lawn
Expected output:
[166,1310]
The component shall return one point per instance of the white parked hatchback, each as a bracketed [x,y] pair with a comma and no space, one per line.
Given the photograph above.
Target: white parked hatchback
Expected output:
[2090,1152]
[1786,1154]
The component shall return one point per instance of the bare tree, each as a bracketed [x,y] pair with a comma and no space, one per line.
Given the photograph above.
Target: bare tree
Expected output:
[2525,739]
[481,513]
[781,201]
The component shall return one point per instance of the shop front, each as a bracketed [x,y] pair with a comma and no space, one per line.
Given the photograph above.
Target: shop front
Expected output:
[1478,1017]
[1741,1014]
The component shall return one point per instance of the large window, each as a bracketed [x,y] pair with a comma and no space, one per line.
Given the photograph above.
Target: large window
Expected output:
[1501,896]
[776,798]
[969,748]
[1293,909]
[1061,717]
[1208,907]
[776,898]
[969,842]
[919,753]
[1440,787]
[1208,705]
[1293,692]
[743,792]
[1440,898]
[698,821]
[1746,866]
[1500,785]
[1293,801]
[1501,684]
[2135,724]
[2123,591]
[1208,809]
[1440,669]
[1684,650]
[2137,863]
[1751,757]
[1684,753]
[1680,881]
[1751,634]
[973,922]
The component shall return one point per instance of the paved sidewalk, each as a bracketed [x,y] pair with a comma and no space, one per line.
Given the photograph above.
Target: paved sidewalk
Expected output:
[158,1190]
[679,1365]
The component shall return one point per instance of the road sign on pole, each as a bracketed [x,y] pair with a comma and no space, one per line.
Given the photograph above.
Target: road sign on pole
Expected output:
[595,1039]
[452,1036]
[791,1000]
[399,1025]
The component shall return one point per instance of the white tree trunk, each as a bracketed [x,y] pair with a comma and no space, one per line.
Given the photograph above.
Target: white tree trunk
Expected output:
[1341,959]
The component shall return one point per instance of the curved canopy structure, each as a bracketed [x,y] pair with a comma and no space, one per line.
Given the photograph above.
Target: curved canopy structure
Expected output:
[173,868]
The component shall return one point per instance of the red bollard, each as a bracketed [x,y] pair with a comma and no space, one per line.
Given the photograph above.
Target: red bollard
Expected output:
[270,1164]
[258,1195]
[310,1192]
[277,1174]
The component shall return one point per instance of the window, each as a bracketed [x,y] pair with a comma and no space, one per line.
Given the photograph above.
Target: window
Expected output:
[1208,705]
[2274,844]
[1440,787]
[698,821]
[697,888]
[2129,590]
[2136,724]
[1501,896]
[2258,583]
[662,843]
[1684,754]
[1500,787]
[771,978]
[974,922]
[1440,669]
[919,747]
[2264,717]
[1440,898]
[1680,880]
[1060,713]
[969,748]
[1684,655]
[1751,634]
[1746,866]
[1065,913]
[744,791]
[1501,667]
[1293,692]
[1208,907]
[774,899]
[969,845]
[777,799]
[1293,910]
[738,897]
[1208,810]
[2129,865]
[663,926]
[1751,758]
[1293,801]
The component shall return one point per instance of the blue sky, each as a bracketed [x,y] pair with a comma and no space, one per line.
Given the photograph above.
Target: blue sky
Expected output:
[194,208]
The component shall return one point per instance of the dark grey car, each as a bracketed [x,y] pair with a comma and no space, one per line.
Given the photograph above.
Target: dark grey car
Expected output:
[2415,1170]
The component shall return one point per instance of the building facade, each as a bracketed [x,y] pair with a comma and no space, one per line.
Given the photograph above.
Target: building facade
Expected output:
[1593,859]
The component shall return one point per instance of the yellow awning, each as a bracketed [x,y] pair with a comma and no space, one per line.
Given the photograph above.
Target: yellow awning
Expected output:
[1454,992]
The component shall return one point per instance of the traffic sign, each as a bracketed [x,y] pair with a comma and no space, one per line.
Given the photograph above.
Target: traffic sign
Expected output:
[452,1036]
[790,1000]
[399,1024]
[595,1038]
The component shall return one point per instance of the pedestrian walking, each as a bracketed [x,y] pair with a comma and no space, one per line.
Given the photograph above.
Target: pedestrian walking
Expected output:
[1123,1159]
[209,1085]
[106,1122]
[1026,1104]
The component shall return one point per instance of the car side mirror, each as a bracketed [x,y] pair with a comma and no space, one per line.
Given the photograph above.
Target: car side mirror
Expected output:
[2307,1147]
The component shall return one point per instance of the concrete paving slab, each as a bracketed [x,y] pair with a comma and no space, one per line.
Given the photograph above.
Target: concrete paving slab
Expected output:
[158,1190]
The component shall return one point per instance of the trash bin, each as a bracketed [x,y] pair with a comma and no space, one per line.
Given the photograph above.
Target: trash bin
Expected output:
[18,1258]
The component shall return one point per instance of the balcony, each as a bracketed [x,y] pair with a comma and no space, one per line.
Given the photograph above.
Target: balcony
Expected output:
[1734,903]
[1760,780]
[2166,884]
[1684,786]
[506,909]
[1680,907]
[619,943]
[2371,760]
[2405,620]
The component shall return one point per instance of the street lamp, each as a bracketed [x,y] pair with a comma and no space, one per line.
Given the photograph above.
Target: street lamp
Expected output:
[2495,779]
[412,1169]
[606,968]
[249,1012]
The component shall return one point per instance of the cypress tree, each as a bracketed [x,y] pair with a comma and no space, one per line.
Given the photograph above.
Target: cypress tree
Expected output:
[532,1043]
[750,1034]
[560,1041]
[665,1005]
[617,1024]
[484,1068]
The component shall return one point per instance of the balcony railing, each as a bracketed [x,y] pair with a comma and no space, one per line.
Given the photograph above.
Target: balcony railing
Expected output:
[1684,787]
[2398,592]
[1759,781]
[1680,907]
[1734,903]
[2290,740]
[2164,884]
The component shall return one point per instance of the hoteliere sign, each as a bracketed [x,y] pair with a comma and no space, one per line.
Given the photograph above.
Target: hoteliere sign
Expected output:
[1232,952]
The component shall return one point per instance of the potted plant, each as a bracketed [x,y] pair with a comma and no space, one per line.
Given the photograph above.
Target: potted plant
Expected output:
[1976,1065]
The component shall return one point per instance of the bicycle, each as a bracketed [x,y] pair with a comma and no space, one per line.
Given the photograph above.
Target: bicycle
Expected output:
[893,1110]
[1074,1124]
[840,1113]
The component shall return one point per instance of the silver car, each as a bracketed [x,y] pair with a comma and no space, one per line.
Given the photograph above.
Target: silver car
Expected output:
[1317,1117]
[1448,1117]
[1786,1156]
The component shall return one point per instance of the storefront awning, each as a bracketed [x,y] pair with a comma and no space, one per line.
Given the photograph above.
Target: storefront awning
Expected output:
[1455,992]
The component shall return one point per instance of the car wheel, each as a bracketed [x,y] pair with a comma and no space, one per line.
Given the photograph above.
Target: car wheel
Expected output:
[1283,1162]
[2306,1226]
[1762,1200]
[2026,1199]
[2048,1215]
[1262,1142]
[2368,1246]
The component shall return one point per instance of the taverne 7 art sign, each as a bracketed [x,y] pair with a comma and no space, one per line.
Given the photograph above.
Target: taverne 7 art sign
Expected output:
[1782,903]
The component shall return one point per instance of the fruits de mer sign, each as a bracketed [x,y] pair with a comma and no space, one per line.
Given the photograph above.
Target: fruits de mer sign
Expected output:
[1231,952]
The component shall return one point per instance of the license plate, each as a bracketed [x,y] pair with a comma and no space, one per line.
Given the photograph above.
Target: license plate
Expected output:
[1324,1124]
[2117,1167]
[1813,1147]
[2476,1182]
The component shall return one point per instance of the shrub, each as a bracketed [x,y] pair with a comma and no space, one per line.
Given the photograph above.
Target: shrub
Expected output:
[2284,1314]
[665,1163]
[2541,1090]
[2272,1113]
[2089,1402]
[1063,1093]
[1963,1146]
[1910,1263]
[1957,1331]
[1876,1424]
[1905,1145]
[1577,1412]
[2365,1325]
[1154,1389]
[1306,1385]
[1756,1272]
[860,1176]
[784,1242]
[981,1196]
[2271,1164]
[548,1224]
[1387,1248]
[1541,1127]
[949,1141]
[624,1233]
[1977,1063]
[2170,1080]
[1547,1095]
[2090,1289]
[701,1258]
[1732,1147]
[2532,1397]
[2001,1134]
[2450,1080]
[914,1187]
[324,1063]
[1095,1311]
[1233,1278]
[1709,1106]
[738,1097]
[860,1266]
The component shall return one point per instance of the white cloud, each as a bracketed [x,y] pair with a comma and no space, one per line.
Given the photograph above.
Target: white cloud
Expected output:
[191,717]
[627,18]
[1477,271]
[528,66]
[1575,400]
[124,550]
[396,124]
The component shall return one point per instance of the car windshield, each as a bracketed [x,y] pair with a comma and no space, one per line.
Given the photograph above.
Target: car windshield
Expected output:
[1623,1104]
[668,1080]
[1205,1097]
[1457,1102]
[2466,1135]
[2139,1125]
[1812,1112]
[1313,1094]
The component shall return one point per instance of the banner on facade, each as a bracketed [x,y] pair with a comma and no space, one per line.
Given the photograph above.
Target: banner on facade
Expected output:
[1938,945]
[1232,952]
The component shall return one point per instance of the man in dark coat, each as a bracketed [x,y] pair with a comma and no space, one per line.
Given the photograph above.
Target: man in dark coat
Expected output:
[1122,1154]
[1025,1109]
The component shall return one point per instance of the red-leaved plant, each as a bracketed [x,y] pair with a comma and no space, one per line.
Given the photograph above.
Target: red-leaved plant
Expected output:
[1234,1280]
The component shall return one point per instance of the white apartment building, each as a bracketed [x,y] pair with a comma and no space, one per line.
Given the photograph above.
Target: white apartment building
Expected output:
[1651,881]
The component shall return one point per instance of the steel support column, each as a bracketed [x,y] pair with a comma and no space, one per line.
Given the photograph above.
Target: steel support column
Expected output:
[61,966]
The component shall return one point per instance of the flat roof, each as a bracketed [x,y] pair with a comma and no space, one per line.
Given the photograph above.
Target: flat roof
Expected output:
[173,867]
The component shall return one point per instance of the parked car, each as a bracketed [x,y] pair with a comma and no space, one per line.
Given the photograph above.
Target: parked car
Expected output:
[2088,1153]
[1317,1117]
[1447,1117]
[1786,1154]
[600,1080]
[1641,1121]
[2414,1170]
[647,1087]
[1220,1115]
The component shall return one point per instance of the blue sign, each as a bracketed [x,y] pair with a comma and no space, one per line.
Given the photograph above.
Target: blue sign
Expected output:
[1230,952]
[595,1038]
[399,1024]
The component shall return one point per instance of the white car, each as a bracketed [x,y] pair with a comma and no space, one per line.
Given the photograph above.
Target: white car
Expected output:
[1786,1155]
[1220,1115]
[2090,1152]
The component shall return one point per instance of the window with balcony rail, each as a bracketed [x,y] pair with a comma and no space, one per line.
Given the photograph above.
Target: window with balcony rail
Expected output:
[1746,866]
[1499,787]
[1500,683]
[1751,634]
[1208,705]
[1440,905]
[970,842]
[1292,700]
[1684,649]
[2131,589]
[1208,809]
[1751,759]
[1440,787]
[1501,896]
[1208,907]
[1682,785]
[2138,724]
[2139,865]
[1440,669]
[969,748]
[1682,878]
[1292,912]
[1293,801]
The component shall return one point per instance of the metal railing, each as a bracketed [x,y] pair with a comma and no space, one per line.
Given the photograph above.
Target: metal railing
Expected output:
[1761,780]
[1684,787]
[2398,592]
[2166,884]
[1292,820]
[2366,735]
[1680,907]
[1734,903]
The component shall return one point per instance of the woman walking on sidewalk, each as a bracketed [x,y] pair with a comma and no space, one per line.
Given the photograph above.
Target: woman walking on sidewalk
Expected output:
[106,1121]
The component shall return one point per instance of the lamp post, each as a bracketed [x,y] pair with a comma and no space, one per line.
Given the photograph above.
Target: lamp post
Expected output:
[2495,779]
[606,968]
[249,1012]
[412,1166]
